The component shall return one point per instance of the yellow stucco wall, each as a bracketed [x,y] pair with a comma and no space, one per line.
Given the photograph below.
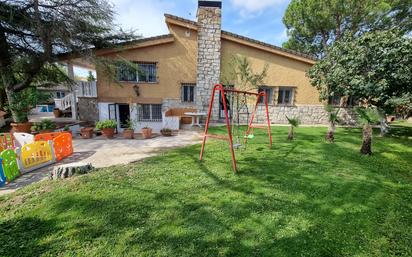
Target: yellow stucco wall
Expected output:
[176,64]
[282,71]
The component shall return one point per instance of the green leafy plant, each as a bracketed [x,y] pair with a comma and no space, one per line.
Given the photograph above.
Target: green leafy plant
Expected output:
[66,128]
[45,124]
[333,118]
[128,124]
[367,117]
[239,72]
[24,101]
[375,68]
[294,123]
[146,127]
[105,124]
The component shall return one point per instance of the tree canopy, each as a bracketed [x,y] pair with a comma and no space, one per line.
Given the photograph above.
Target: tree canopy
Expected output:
[375,67]
[313,25]
[34,33]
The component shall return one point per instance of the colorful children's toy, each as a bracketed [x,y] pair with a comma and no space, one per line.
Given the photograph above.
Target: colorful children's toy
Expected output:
[21,139]
[62,143]
[9,164]
[32,152]
[6,141]
[3,179]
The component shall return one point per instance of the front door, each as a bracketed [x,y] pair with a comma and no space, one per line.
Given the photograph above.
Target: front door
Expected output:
[124,115]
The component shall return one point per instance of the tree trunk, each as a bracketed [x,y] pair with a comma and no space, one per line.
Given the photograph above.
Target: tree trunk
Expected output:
[366,140]
[330,135]
[3,98]
[17,116]
[383,126]
[290,134]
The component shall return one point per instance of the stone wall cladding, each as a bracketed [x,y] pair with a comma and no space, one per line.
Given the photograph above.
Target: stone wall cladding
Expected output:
[308,114]
[169,103]
[88,109]
[208,57]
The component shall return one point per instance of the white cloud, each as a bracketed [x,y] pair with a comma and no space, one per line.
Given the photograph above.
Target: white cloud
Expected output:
[146,17]
[251,8]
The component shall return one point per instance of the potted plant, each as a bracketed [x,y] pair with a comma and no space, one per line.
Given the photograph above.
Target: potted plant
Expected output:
[146,132]
[44,126]
[87,132]
[57,112]
[23,102]
[67,129]
[166,132]
[128,132]
[107,127]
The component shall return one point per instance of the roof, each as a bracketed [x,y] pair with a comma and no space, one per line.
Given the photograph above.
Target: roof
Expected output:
[76,59]
[138,43]
[252,42]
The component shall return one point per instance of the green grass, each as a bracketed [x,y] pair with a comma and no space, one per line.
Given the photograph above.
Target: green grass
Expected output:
[300,198]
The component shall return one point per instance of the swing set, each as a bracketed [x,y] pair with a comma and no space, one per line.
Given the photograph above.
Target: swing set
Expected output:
[233,108]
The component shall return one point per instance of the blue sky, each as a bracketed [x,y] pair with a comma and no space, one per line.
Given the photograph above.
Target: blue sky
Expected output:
[258,19]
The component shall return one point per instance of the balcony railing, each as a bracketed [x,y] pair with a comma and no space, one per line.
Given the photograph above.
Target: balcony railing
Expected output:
[82,89]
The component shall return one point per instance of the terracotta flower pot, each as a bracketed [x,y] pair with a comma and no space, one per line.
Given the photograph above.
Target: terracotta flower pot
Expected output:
[86,133]
[57,113]
[128,133]
[108,132]
[146,133]
[166,133]
[24,127]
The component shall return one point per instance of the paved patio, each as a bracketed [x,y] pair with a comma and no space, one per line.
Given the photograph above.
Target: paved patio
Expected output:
[102,152]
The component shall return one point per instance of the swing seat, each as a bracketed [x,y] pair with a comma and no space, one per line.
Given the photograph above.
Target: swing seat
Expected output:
[237,145]
[250,136]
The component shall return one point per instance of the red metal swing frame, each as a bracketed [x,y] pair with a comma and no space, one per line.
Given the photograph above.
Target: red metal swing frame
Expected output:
[222,90]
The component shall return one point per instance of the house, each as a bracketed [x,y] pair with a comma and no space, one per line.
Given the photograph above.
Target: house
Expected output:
[179,69]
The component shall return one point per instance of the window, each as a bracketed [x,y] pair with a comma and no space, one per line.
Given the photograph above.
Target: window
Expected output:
[285,96]
[60,94]
[150,112]
[125,72]
[352,101]
[334,100]
[343,101]
[269,93]
[188,93]
[143,72]
[147,72]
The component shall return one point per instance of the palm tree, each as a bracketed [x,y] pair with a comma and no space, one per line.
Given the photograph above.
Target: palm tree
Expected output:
[333,118]
[367,117]
[294,123]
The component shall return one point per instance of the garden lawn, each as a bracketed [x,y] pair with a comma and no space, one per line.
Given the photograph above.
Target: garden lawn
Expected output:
[300,198]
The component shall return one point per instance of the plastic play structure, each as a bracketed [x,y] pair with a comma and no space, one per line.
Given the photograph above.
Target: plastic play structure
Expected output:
[235,104]
[22,152]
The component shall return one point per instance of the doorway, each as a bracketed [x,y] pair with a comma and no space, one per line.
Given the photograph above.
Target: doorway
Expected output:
[119,113]
[124,115]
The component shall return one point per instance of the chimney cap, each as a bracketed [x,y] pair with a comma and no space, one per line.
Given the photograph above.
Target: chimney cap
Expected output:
[210,3]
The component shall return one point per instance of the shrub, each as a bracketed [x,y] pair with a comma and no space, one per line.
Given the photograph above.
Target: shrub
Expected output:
[45,124]
[106,124]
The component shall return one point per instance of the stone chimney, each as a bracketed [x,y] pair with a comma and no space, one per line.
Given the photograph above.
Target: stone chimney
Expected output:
[209,16]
